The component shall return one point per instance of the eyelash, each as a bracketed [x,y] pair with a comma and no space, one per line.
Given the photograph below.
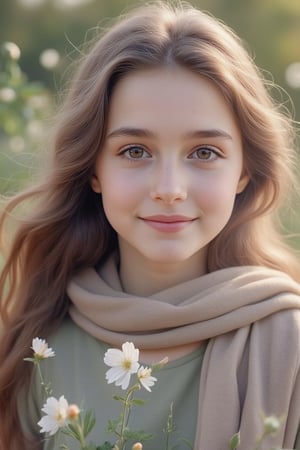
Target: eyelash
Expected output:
[212,150]
[131,147]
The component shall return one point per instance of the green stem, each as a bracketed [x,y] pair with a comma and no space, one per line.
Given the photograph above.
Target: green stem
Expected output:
[82,441]
[43,384]
[169,427]
[125,416]
[259,441]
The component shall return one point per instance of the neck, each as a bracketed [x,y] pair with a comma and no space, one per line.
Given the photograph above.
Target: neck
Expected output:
[145,279]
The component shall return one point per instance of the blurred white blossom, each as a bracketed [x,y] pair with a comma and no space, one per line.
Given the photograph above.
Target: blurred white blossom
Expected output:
[49,58]
[12,50]
[7,95]
[292,75]
[271,424]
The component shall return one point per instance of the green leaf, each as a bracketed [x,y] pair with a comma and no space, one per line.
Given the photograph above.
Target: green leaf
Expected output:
[90,447]
[88,422]
[112,425]
[69,433]
[137,401]
[105,446]
[117,397]
[235,441]
[72,430]
[137,435]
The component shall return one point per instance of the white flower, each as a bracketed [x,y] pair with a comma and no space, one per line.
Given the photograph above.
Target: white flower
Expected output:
[271,424]
[7,94]
[12,50]
[49,58]
[123,363]
[56,415]
[41,349]
[145,377]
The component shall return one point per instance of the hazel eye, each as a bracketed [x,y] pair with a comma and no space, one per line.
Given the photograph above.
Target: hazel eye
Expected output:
[204,154]
[135,152]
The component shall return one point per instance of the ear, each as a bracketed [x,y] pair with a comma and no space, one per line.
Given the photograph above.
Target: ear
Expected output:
[95,184]
[243,182]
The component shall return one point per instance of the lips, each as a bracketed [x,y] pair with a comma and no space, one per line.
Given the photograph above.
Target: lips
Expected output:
[168,223]
[168,219]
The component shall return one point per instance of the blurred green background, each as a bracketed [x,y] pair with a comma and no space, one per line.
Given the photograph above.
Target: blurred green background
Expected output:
[49,32]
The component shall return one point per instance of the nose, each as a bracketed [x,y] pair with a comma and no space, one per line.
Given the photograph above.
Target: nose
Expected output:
[169,184]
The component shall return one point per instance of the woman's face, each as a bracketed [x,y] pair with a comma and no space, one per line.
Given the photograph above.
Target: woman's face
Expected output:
[170,167]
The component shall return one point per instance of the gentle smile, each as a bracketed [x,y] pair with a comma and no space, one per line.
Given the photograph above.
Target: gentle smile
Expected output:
[168,224]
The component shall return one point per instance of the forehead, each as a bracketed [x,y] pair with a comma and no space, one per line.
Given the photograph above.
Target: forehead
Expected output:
[169,98]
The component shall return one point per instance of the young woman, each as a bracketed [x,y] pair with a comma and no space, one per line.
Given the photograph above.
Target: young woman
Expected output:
[155,225]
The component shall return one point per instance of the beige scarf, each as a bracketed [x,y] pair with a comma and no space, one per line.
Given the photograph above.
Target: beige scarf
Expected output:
[251,317]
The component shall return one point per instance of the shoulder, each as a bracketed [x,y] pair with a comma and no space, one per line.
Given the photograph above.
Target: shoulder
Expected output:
[284,321]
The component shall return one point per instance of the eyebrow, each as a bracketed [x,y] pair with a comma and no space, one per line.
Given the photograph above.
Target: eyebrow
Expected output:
[141,132]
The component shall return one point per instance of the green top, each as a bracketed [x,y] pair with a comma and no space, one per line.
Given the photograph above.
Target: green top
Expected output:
[78,372]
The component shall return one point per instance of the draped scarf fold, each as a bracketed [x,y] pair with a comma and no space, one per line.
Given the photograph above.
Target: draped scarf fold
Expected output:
[249,315]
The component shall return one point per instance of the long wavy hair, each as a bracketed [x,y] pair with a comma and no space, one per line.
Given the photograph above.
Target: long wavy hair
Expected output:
[65,228]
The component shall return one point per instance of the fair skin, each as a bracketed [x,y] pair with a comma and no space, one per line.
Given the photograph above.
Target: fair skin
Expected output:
[172,149]
[169,171]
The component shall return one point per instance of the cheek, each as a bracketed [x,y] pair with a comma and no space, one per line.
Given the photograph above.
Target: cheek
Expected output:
[119,193]
[217,195]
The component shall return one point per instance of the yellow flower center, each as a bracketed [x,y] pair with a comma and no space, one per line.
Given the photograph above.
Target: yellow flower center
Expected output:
[126,364]
[60,417]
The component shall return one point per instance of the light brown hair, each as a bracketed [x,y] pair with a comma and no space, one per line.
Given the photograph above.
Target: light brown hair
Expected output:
[66,228]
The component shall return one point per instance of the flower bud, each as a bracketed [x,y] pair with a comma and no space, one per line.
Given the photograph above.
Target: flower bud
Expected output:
[137,446]
[73,412]
[271,424]
[160,364]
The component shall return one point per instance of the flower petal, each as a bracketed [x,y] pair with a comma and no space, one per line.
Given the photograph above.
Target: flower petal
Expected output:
[145,377]
[56,414]
[41,348]
[130,352]
[122,364]
[123,381]
[114,373]
[48,425]
[113,357]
